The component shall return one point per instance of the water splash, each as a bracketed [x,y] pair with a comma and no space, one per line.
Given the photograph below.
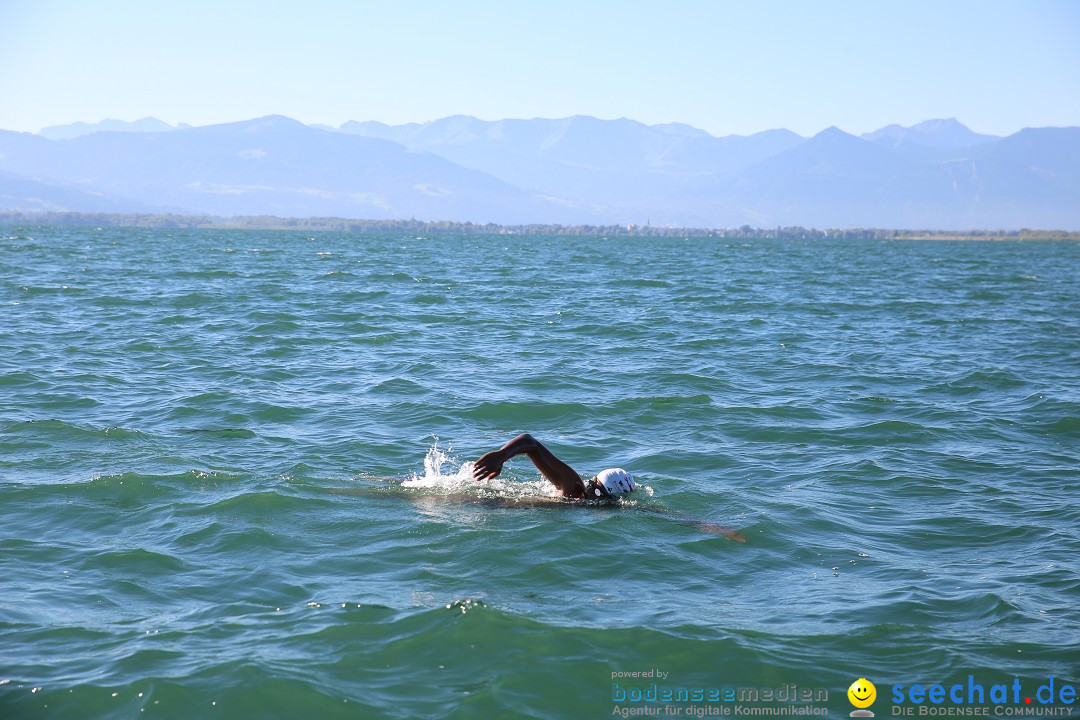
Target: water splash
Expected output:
[434,477]
[445,473]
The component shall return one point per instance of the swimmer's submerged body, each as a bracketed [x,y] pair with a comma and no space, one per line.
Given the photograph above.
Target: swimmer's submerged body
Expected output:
[610,483]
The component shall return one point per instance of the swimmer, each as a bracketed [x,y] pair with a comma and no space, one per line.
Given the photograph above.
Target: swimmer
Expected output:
[608,484]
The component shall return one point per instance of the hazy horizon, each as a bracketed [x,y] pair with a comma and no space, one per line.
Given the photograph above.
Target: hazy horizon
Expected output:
[732,70]
[567,171]
[725,68]
[179,125]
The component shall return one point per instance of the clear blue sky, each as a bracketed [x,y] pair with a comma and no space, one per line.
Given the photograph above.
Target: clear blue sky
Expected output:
[727,67]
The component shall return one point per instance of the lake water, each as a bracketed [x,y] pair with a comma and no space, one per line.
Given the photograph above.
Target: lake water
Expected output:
[232,471]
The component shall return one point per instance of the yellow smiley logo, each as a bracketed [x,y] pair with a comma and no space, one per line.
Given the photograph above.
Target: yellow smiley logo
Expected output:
[862,693]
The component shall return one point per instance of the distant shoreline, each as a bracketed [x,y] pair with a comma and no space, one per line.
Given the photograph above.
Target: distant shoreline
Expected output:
[335,224]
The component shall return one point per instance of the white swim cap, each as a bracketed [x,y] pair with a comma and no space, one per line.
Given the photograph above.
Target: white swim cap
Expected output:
[616,481]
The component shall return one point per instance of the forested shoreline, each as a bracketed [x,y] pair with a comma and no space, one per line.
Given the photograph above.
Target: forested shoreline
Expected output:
[420,227]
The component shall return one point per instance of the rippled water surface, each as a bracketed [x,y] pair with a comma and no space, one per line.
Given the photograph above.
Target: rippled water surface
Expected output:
[232,469]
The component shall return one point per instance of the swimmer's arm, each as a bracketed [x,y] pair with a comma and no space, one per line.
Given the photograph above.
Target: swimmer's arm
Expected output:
[714,529]
[702,525]
[561,475]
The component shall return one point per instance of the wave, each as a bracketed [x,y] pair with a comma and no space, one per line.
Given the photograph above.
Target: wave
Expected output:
[457,658]
[226,433]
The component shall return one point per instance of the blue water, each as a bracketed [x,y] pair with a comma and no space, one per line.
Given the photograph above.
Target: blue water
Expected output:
[234,470]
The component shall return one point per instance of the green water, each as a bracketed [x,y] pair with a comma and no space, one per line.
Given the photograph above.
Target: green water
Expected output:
[233,471]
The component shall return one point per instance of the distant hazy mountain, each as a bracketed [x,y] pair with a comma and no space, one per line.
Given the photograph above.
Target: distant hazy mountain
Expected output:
[34,195]
[1031,179]
[936,174]
[77,129]
[579,143]
[813,180]
[681,129]
[614,167]
[942,134]
[272,165]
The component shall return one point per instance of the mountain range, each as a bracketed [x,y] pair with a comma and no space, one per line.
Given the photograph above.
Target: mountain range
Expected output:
[576,170]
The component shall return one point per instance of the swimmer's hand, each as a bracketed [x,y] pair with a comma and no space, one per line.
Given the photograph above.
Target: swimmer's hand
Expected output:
[714,529]
[489,465]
